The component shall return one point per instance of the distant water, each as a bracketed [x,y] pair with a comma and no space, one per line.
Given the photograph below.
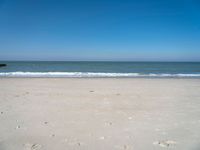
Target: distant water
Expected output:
[100,69]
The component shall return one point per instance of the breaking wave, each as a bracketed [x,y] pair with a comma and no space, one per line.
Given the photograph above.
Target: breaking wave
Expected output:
[90,74]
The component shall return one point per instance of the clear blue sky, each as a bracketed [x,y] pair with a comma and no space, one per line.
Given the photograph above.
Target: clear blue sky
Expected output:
[137,30]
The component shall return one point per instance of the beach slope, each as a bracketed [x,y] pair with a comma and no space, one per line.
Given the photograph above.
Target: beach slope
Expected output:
[99,114]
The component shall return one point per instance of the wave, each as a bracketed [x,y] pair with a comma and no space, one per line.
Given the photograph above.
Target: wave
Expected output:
[90,74]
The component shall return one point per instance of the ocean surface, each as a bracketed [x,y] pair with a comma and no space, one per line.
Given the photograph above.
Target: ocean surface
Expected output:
[99,69]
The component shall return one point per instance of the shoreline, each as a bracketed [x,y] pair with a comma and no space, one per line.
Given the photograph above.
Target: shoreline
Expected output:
[197,78]
[99,75]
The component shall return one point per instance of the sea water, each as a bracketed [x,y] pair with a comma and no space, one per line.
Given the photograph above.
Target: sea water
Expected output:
[99,69]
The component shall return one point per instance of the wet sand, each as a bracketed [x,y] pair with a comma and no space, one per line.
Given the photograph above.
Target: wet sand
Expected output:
[99,114]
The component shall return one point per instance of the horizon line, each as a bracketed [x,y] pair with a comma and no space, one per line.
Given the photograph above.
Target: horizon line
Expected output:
[99,61]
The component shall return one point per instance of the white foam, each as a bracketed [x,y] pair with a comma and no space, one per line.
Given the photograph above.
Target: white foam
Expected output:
[89,74]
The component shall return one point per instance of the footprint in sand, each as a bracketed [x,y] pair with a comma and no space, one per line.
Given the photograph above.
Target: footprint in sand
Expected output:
[102,138]
[122,147]
[73,142]
[166,143]
[130,118]
[125,147]
[18,127]
[79,144]
[53,135]
[34,146]
[108,123]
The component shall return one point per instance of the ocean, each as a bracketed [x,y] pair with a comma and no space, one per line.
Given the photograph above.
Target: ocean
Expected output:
[99,69]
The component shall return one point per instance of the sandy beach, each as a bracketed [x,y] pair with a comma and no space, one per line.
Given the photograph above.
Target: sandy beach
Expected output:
[99,114]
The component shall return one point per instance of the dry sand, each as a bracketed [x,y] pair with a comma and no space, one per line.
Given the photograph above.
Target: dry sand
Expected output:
[99,114]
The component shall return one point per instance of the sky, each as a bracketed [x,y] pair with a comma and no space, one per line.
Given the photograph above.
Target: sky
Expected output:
[114,30]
